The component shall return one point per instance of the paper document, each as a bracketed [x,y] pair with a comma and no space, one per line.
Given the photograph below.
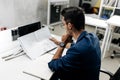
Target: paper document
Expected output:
[39,67]
[37,43]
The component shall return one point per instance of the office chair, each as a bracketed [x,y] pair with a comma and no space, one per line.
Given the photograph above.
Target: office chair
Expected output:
[112,76]
[87,7]
[80,3]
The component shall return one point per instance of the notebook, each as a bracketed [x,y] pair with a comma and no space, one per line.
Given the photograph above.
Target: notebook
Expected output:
[37,43]
[39,68]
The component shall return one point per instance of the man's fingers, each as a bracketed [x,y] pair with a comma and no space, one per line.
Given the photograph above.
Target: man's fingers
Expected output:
[55,40]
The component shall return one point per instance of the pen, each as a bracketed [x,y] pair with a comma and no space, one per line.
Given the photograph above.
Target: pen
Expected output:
[7,56]
[20,51]
[12,54]
[49,50]
[33,75]
[13,57]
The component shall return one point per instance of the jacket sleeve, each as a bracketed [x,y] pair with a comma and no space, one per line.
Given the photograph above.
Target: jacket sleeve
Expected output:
[59,64]
[64,63]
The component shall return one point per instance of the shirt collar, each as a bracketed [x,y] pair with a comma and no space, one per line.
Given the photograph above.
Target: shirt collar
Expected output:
[81,35]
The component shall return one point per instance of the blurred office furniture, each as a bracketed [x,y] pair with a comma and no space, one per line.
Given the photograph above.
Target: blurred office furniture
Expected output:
[54,8]
[107,8]
[86,5]
[113,23]
[99,24]
[25,29]
[22,30]
[55,13]
[80,3]
[115,76]
[87,8]
[116,40]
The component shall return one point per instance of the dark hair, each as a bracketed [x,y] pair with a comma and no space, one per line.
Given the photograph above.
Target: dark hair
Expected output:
[75,16]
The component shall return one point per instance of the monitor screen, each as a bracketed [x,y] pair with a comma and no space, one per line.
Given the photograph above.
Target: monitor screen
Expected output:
[23,30]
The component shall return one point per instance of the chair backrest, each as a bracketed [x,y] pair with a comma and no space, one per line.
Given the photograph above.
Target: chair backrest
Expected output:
[80,3]
[87,7]
[117,12]
[116,76]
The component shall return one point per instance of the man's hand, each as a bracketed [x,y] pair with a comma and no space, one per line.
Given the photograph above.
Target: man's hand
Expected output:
[55,40]
[66,38]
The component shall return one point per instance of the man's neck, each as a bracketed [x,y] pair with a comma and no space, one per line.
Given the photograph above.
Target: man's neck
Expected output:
[76,34]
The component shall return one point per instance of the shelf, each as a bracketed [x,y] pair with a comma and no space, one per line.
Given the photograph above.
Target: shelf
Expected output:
[106,11]
[59,2]
[109,7]
[117,7]
[116,34]
[103,31]
[54,1]
[115,46]
[114,21]
[55,23]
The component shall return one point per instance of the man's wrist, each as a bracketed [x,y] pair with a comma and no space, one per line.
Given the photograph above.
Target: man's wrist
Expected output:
[62,44]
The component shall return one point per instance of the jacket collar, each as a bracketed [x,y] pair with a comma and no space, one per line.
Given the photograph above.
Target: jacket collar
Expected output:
[83,34]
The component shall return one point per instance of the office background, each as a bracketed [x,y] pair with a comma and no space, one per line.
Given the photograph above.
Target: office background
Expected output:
[15,13]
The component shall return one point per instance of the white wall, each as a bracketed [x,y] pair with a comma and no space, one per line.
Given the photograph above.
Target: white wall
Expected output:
[7,13]
[14,13]
[28,11]
[74,2]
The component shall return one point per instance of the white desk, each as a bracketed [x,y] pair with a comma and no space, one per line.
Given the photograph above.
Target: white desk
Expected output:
[112,22]
[13,69]
[101,24]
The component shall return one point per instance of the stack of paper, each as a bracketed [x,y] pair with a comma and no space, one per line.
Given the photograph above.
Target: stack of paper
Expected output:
[39,67]
[37,43]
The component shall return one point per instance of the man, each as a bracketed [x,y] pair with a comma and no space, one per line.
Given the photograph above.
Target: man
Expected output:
[83,57]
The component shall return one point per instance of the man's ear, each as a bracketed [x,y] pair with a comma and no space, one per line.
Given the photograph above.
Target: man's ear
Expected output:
[70,26]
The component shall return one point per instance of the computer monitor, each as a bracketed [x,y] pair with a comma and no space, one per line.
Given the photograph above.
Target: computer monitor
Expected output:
[23,30]
[117,12]
[55,13]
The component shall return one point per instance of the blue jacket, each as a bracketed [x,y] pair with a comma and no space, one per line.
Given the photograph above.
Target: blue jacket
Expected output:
[82,60]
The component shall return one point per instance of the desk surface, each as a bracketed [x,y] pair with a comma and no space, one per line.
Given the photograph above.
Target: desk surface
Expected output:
[13,69]
[95,22]
[114,20]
